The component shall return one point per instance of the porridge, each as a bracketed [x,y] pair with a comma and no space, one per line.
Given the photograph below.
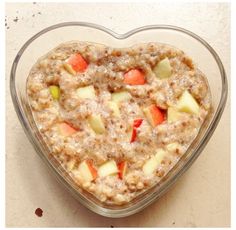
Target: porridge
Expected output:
[117,119]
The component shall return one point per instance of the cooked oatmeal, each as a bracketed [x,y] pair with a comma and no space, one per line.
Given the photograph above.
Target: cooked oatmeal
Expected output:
[117,119]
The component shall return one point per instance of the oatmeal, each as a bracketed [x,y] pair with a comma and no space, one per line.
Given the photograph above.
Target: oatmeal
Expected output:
[117,119]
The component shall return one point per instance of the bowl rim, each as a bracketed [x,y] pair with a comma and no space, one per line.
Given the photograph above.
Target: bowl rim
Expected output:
[197,151]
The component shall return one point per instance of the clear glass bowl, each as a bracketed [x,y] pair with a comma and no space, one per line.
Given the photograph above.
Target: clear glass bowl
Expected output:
[199,50]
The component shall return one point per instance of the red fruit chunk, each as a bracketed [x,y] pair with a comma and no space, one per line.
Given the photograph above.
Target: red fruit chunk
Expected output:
[122,166]
[157,115]
[133,135]
[77,62]
[137,122]
[134,77]
[66,129]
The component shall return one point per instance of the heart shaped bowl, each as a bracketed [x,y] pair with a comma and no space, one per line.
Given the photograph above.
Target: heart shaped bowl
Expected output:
[199,50]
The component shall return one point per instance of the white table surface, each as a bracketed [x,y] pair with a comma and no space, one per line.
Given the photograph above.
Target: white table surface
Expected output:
[200,198]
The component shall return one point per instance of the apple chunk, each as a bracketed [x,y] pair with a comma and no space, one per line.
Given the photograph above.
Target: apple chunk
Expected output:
[188,104]
[152,164]
[108,168]
[173,115]
[133,135]
[134,77]
[154,115]
[69,68]
[96,123]
[160,154]
[122,166]
[75,63]
[163,69]
[115,108]
[66,130]
[120,96]
[86,92]
[137,122]
[87,171]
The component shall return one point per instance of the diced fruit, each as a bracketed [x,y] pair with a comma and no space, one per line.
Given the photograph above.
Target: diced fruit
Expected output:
[122,167]
[86,92]
[55,91]
[77,62]
[69,69]
[133,135]
[71,164]
[137,122]
[163,69]
[120,96]
[96,124]
[87,171]
[173,115]
[188,104]
[160,154]
[154,115]
[134,77]
[152,164]
[108,168]
[115,108]
[173,147]
[66,129]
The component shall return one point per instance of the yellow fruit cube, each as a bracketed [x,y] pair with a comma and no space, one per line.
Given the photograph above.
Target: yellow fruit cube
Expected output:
[163,69]
[86,92]
[120,96]
[188,104]
[96,123]
[115,108]
[108,168]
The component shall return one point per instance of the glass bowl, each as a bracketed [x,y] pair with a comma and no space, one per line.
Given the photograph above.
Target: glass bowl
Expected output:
[199,50]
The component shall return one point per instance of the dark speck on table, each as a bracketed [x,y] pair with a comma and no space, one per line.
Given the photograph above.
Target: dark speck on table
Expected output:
[39,212]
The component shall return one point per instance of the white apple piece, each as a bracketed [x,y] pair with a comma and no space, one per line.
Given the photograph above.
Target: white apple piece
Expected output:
[87,172]
[188,104]
[71,165]
[86,92]
[172,147]
[152,164]
[163,69]
[115,108]
[160,154]
[108,168]
[120,96]
[173,115]
[96,123]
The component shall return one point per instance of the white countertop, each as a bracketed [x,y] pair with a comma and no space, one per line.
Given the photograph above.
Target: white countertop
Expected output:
[201,198]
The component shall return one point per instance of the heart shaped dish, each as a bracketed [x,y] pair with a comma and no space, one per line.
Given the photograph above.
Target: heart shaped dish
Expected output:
[118,118]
